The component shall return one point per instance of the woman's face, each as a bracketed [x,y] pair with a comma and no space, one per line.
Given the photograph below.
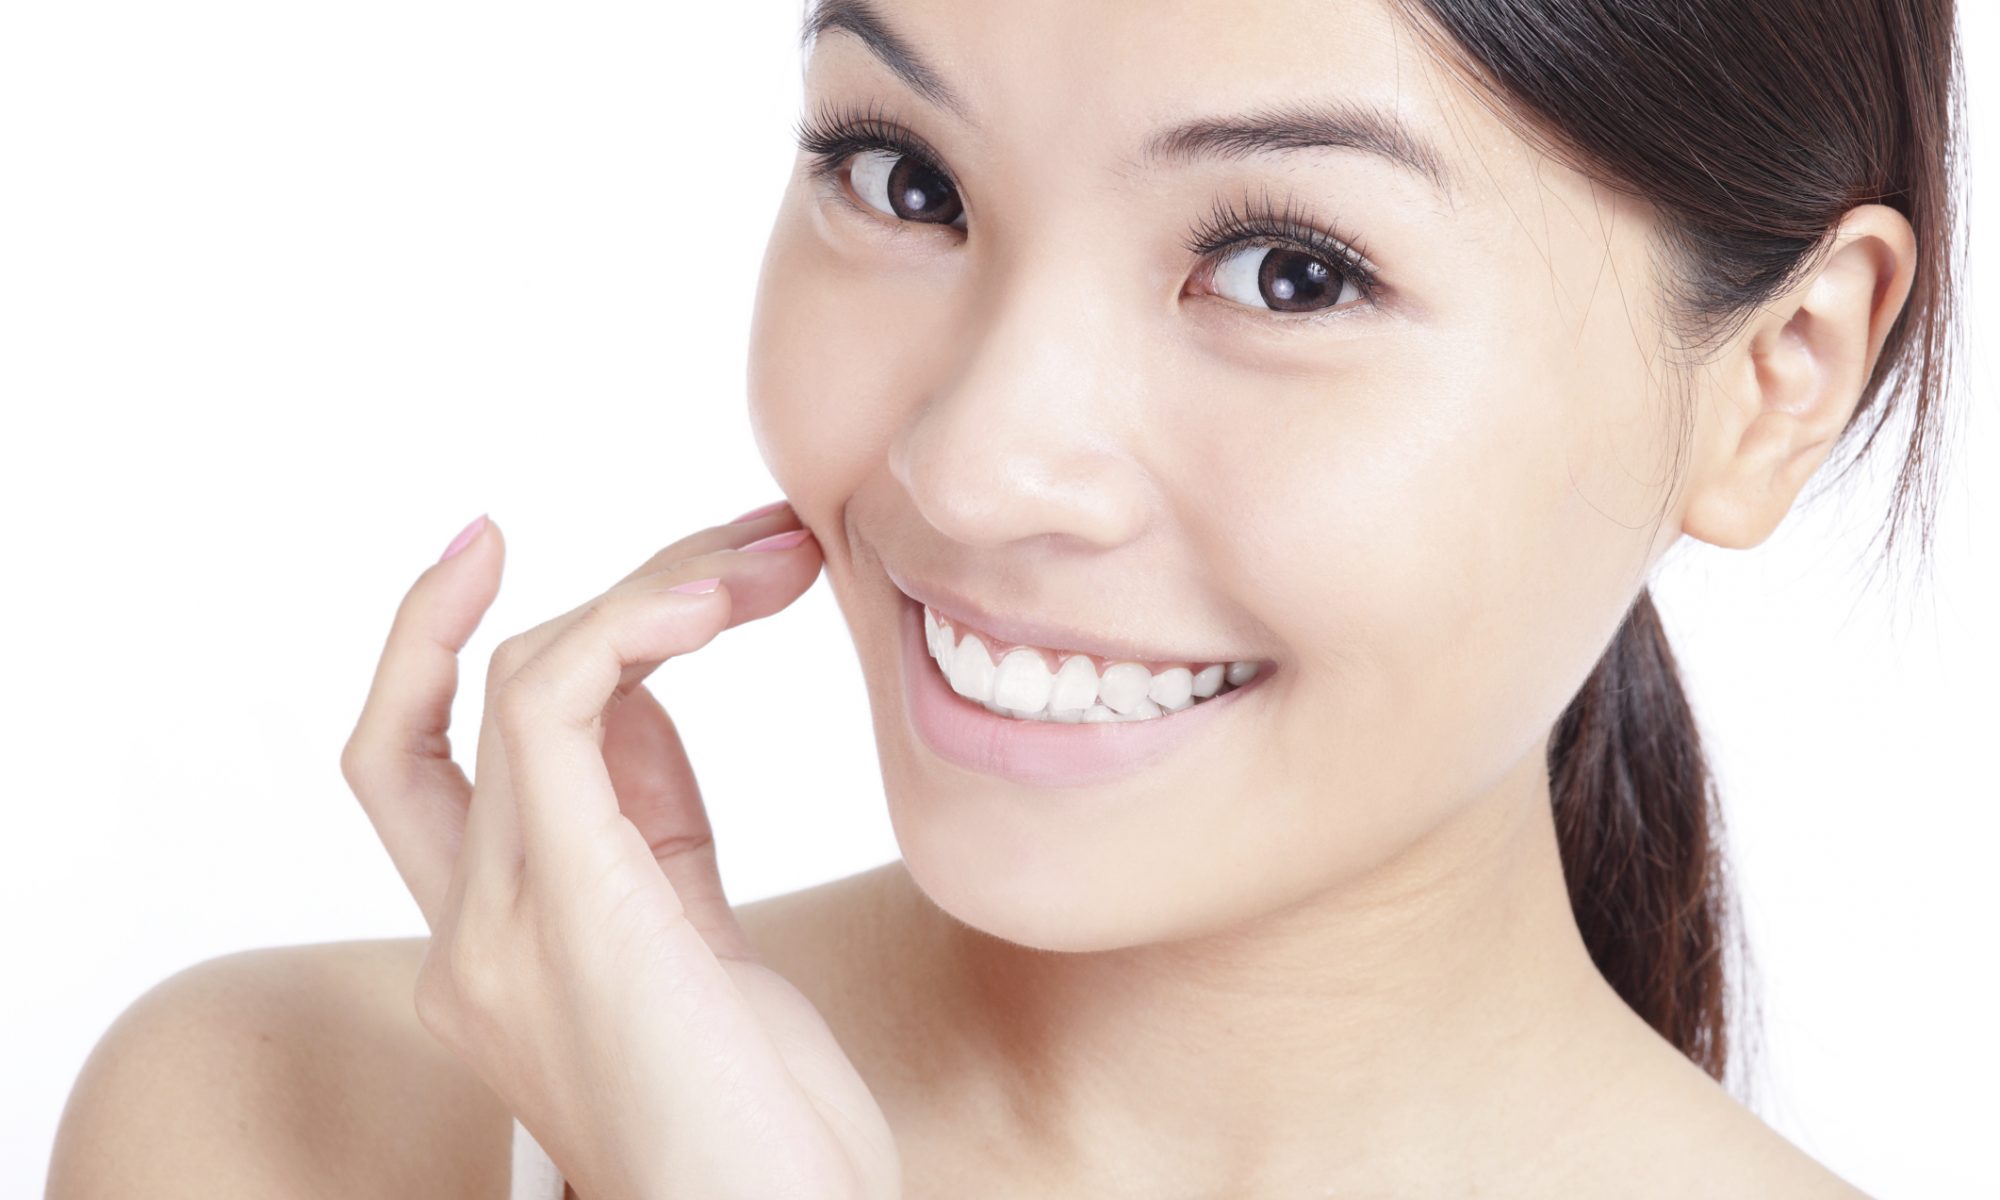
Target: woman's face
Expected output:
[1003,378]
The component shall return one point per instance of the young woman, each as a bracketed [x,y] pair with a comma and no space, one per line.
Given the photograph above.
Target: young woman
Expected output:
[1238,437]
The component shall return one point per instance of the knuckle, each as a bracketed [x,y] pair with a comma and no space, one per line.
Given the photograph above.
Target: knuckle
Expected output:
[507,659]
[461,988]
[515,705]
[597,617]
[353,761]
[436,1001]
[360,765]
[478,981]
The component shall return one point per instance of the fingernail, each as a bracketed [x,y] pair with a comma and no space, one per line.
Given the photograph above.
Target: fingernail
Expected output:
[778,541]
[698,586]
[754,513]
[464,537]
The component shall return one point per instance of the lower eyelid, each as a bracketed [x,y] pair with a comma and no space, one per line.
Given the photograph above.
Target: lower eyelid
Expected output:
[1360,308]
[1268,317]
[834,183]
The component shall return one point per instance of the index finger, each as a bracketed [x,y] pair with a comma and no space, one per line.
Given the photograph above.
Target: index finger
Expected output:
[771,519]
[551,715]
[397,760]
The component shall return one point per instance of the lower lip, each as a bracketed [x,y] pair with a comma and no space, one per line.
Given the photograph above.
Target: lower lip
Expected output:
[1041,753]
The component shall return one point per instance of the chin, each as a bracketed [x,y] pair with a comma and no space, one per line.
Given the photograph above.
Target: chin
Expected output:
[1040,907]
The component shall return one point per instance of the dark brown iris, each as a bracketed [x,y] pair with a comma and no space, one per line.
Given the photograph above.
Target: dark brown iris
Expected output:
[1294,281]
[919,193]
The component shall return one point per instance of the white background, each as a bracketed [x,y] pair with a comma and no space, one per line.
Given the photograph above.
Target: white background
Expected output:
[288,293]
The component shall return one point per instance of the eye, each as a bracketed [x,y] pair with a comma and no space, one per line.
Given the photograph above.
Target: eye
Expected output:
[1278,259]
[1281,278]
[1283,259]
[894,172]
[905,187]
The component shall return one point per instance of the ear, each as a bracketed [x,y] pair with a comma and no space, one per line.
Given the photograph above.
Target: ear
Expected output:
[1791,379]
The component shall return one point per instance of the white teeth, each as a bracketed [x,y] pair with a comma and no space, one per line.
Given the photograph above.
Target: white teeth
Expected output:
[1022,686]
[972,670]
[1123,686]
[1075,686]
[1173,689]
[1146,711]
[1022,681]
[1206,680]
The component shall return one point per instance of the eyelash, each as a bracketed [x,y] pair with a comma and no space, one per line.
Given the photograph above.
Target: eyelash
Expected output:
[831,137]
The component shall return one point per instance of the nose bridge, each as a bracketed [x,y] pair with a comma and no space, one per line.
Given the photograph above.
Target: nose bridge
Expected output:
[1028,431]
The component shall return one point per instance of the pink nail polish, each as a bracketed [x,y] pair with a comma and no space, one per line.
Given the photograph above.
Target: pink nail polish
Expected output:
[697,586]
[778,541]
[754,513]
[464,537]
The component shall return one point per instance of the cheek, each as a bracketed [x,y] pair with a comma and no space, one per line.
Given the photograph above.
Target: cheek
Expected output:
[806,380]
[1448,543]
[839,351]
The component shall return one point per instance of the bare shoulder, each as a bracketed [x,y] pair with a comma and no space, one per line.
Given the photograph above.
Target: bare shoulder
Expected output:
[286,1071]
[1771,1165]
[303,1070]
[1685,1135]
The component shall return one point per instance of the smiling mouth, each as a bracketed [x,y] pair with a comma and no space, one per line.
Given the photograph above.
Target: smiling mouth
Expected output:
[1033,683]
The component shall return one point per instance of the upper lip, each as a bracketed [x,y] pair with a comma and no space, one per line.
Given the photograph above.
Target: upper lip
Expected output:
[963,613]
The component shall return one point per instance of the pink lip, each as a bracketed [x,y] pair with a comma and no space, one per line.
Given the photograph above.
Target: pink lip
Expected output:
[1039,753]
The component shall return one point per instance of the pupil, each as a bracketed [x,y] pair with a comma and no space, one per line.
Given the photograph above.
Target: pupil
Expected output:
[1293,281]
[919,193]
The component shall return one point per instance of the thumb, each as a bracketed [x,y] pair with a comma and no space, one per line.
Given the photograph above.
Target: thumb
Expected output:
[657,792]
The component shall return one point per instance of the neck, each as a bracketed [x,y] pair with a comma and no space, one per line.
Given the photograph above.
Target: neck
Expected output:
[1383,1018]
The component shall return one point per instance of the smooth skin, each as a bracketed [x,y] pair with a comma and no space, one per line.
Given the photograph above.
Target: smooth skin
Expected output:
[1326,950]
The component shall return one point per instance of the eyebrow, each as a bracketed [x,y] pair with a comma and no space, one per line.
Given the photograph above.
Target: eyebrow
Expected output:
[859,18]
[1304,125]
[1279,130]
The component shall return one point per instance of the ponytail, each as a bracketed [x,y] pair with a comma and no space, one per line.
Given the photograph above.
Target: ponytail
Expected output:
[1638,826]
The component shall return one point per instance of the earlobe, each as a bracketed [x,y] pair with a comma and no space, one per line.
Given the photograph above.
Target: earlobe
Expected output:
[1791,380]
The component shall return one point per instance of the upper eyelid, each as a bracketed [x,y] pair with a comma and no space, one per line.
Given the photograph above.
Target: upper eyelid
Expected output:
[870,130]
[864,125]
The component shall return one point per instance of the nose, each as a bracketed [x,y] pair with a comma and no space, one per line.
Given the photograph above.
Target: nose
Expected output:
[1032,431]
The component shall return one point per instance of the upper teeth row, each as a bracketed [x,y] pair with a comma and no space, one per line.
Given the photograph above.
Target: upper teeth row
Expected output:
[1022,685]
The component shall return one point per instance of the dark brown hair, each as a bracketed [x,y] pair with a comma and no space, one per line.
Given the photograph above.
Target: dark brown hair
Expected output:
[1751,127]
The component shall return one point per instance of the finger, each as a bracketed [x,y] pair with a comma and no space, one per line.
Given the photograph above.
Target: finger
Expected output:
[716,537]
[551,714]
[700,554]
[581,851]
[657,792]
[490,860]
[759,583]
[398,758]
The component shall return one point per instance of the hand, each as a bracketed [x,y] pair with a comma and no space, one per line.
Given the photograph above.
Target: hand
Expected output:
[583,959]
